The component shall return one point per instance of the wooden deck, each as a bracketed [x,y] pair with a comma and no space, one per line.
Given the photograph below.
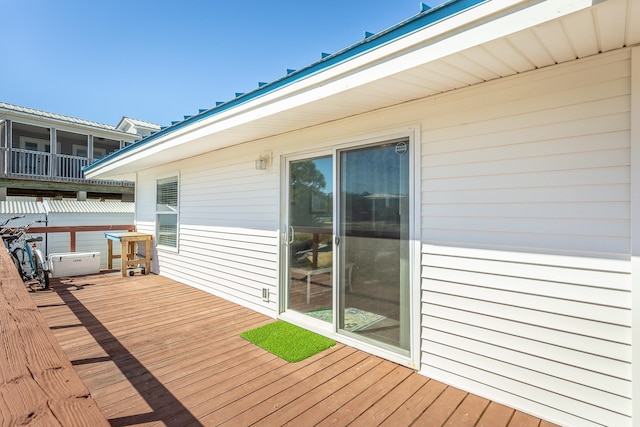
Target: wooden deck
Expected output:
[156,352]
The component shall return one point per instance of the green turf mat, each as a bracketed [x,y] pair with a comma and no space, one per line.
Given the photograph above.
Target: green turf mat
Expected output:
[288,341]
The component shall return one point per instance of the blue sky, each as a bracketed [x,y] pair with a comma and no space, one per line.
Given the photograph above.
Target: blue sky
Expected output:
[161,60]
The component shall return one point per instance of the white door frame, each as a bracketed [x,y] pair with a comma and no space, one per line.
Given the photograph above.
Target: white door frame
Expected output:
[413,134]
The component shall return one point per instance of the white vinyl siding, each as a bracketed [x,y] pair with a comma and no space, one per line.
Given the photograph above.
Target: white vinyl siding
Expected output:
[228,239]
[526,237]
[536,160]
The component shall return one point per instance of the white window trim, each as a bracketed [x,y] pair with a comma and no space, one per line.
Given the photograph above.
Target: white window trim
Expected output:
[156,213]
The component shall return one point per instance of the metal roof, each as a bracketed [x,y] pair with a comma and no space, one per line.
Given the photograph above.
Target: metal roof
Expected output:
[24,207]
[21,207]
[17,207]
[25,111]
[140,123]
[87,206]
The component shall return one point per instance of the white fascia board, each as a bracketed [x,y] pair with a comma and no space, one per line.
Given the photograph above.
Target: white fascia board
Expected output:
[480,24]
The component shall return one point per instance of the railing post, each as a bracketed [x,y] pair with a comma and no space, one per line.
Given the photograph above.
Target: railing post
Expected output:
[72,241]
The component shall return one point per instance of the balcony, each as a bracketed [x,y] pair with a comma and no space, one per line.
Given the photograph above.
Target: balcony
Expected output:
[37,165]
[37,153]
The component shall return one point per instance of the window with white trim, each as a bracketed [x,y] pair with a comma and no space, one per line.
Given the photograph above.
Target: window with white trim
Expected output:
[167,212]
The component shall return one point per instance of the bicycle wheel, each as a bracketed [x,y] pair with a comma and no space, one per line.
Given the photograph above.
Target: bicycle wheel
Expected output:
[40,273]
[21,258]
[16,262]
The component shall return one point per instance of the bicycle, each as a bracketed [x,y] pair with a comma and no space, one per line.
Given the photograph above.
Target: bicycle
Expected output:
[28,259]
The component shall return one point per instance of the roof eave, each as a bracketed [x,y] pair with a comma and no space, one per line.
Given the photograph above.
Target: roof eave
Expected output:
[362,62]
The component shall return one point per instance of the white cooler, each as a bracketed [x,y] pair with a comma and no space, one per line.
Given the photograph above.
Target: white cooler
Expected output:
[74,263]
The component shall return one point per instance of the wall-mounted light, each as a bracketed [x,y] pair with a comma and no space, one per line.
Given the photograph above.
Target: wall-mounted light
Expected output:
[262,162]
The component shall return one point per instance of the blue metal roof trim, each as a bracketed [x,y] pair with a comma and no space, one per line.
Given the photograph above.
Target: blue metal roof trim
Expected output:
[426,17]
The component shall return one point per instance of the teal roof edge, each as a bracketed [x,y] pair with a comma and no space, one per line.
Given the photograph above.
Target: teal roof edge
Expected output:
[419,21]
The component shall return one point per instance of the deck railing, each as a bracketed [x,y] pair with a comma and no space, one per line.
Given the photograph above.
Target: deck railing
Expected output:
[73,230]
[28,162]
[41,165]
[70,166]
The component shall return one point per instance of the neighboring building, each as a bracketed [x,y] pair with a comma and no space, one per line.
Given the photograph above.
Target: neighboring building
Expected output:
[42,154]
[137,127]
[453,194]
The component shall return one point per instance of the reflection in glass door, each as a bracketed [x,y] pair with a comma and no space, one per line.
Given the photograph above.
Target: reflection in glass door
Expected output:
[348,257]
[373,244]
[310,237]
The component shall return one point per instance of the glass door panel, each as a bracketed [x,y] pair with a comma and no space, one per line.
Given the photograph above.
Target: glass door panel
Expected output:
[310,237]
[373,245]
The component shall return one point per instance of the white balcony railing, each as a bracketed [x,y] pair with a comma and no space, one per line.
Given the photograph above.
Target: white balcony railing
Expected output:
[30,163]
[19,163]
[70,166]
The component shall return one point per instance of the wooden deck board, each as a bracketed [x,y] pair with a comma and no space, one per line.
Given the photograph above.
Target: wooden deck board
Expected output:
[156,352]
[300,398]
[390,401]
[442,408]
[357,405]
[371,370]
[469,411]
[496,415]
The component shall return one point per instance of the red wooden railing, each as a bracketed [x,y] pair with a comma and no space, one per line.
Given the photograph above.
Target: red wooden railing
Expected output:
[72,230]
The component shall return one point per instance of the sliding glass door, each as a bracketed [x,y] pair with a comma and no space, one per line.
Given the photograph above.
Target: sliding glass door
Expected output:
[373,245]
[348,257]
[310,236]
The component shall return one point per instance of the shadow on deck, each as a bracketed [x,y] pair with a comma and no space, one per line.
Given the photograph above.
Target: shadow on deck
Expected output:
[156,352]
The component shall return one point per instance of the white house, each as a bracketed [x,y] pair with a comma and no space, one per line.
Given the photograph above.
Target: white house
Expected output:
[455,194]
[137,126]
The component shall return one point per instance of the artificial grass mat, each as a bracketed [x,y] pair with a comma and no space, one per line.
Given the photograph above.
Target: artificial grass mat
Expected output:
[291,343]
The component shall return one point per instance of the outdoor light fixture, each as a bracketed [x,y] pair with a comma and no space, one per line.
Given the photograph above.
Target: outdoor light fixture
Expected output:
[261,163]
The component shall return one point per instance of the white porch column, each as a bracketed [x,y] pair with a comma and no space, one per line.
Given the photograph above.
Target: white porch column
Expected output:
[3,147]
[53,152]
[9,155]
[635,233]
[90,148]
